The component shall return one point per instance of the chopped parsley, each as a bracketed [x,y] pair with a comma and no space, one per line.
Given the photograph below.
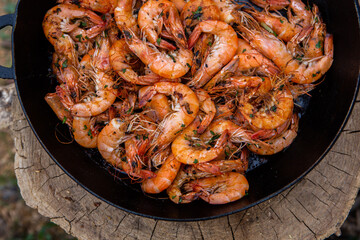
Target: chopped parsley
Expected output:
[64,120]
[196,161]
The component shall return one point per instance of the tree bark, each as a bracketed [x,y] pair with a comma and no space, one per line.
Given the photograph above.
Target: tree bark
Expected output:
[314,208]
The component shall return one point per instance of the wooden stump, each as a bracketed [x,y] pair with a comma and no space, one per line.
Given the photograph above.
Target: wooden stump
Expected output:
[314,208]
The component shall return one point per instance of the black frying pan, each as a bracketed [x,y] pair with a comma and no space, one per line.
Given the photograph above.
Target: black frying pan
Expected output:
[325,116]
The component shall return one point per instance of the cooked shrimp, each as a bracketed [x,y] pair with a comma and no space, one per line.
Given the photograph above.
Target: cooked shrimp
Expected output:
[272,4]
[196,11]
[303,15]
[156,13]
[102,6]
[302,71]
[56,105]
[208,107]
[105,97]
[85,132]
[226,7]
[283,29]
[124,16]
[164,176]
[312,70]
[119,55]
[275,145]
[222,50]
[274,109]
[100,58]
[187,150]
[222,189]
[247,59]
[173,64]
[159,106]
[57,24]
[186,107]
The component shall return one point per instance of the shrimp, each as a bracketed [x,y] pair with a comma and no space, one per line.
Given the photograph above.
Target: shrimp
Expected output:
[124,16]
[119,55]
[159,105]
[303,72]
[272,111]
[303,15]
[171,65]
[252,85]
[272,4]
[66,74]
[105,97]
[208,107]
[222,189]
[185,109]
[153,14]
[222,50]
[187,150]
[56,105]
[275,145]
[109,140]
[57,24]
[100,58]
[192,172]
[180,4]
[164,176]
[196,11]
[84,131]
[102,6]
[277,23]
[226,8]
[246,59]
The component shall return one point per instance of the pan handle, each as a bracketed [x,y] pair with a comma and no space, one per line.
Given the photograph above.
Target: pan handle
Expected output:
[5,72]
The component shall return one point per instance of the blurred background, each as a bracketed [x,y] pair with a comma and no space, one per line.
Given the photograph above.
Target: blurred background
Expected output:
[18,221]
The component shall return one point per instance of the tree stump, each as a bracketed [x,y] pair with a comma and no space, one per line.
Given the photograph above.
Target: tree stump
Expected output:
[314,208]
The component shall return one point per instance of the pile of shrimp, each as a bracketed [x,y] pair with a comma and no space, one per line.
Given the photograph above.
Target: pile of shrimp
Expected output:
[176,94]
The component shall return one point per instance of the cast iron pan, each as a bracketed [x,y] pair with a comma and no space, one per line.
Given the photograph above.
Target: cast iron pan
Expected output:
[325,116]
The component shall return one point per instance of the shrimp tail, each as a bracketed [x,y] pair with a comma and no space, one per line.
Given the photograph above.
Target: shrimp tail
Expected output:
[208,167]
[194,37]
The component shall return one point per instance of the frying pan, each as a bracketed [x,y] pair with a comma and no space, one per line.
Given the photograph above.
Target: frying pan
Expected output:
[326,114]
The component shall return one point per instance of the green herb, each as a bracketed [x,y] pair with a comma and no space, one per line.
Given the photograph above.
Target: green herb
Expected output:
[82,24]
[318,45]
[129,111]
[64,120]
[251,115]
[267,28]
[212,140]
[86,37]
[97,44]
[263,79]
[161,14]
[212,133]
[172,197]
[79,37]
[65,64]
[85,127]
[197,144]
[196,161]
[172,57]
[273,108]
[314,75]
[145,137]
[281,21]
[209,43]
[246,193]
[187,64]
[182,125]
[316,19]
[244,50]
[158,41]
[180,199]
[195,132]
[299,59]
[281,87]
[89,133]
[76,47]
[123,70]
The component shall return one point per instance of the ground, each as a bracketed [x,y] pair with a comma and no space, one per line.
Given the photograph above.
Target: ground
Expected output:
[18,221]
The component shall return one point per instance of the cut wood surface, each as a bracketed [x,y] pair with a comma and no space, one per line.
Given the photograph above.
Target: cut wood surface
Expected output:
[314,208]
